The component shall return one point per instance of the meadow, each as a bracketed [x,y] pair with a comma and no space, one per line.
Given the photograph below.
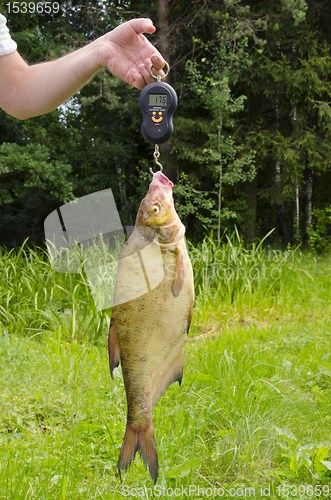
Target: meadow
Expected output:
[250,420]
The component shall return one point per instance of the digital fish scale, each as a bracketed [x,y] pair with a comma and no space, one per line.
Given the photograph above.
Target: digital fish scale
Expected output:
[157,101]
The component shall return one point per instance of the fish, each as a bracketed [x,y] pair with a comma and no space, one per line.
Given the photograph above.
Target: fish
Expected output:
[151,317]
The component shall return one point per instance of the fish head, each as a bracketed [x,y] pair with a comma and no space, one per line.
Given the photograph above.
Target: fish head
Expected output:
[157,208]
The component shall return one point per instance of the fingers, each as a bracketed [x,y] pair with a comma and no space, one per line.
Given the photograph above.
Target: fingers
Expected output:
[138,80]
[132,54]
[145,76]
[158,62]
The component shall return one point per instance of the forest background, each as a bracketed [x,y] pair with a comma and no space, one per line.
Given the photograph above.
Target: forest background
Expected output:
[252,132]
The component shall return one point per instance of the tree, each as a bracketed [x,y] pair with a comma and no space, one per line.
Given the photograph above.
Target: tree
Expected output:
[290,81]
[208,137]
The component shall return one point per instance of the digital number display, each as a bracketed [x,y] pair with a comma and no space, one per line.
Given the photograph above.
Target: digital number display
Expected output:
[157,99]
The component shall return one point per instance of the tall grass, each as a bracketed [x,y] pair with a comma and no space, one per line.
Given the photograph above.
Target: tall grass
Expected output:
[230,279]
[233,272]
[35,298]
[257,281]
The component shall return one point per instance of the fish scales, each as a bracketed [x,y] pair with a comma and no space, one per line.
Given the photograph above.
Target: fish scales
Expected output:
[148,333]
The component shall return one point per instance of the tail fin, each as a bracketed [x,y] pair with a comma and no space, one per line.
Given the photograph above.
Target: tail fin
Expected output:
[144,442]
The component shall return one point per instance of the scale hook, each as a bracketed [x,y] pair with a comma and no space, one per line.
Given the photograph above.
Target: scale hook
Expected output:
[156,155]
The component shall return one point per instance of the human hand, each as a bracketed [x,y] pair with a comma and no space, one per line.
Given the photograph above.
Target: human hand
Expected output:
[128,54]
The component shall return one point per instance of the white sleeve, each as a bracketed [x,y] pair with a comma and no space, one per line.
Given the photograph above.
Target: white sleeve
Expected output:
[7,45]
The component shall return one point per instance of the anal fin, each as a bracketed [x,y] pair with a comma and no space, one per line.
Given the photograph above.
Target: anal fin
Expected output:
[174,374]
[113,348]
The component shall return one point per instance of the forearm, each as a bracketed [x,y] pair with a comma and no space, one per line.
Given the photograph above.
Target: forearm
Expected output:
[27,91]
[40,88]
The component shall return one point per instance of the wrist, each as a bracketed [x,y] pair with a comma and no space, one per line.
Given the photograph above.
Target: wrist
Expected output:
[102,52]
[91,58]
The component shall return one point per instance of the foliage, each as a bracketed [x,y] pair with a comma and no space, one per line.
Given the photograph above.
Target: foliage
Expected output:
[319,238]
[210,144]
[290,92]
[191,201]
[36,170]
[303,456]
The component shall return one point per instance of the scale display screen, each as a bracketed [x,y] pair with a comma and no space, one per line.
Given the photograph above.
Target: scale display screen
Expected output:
[157,99]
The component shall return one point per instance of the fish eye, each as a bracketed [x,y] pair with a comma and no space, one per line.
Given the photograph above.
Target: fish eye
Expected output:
[154,210]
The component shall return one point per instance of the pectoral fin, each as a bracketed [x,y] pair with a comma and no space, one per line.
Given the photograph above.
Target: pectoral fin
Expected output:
[180,273]
[114,349]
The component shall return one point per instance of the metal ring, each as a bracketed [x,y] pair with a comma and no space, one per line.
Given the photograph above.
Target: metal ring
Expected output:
[161,77]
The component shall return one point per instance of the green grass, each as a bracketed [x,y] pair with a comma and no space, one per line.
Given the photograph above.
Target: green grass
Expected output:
[253,409]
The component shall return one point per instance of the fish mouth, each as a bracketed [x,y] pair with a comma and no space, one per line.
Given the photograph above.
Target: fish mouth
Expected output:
[160,181]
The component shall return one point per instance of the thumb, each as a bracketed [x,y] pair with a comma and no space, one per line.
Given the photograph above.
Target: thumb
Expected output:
[142,25]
